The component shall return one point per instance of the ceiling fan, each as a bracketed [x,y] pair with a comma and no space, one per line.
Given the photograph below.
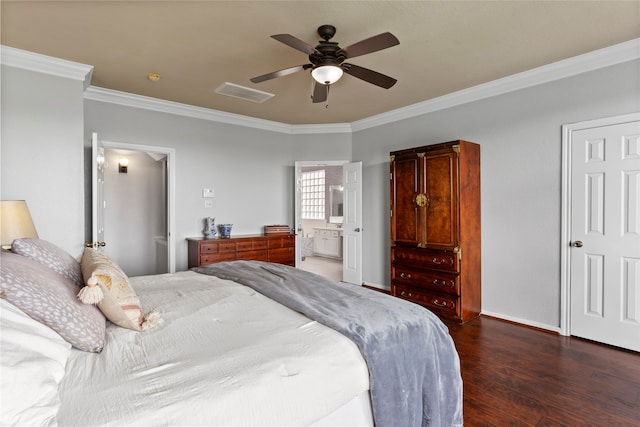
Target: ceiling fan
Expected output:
[327,60]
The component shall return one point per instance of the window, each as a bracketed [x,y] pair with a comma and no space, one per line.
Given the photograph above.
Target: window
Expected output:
[313,194]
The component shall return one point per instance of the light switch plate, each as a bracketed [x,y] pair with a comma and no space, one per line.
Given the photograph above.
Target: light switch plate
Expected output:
[208,192]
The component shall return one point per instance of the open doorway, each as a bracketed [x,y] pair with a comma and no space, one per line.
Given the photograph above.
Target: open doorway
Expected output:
[135,211]
[133,206]
[319,213]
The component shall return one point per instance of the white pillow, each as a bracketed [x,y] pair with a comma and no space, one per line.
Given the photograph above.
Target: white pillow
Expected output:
[32,364]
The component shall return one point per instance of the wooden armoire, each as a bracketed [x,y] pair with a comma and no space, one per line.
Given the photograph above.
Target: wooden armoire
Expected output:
[435,228]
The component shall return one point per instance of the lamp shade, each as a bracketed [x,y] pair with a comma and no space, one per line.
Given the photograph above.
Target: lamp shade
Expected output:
[15,222]
[327,74]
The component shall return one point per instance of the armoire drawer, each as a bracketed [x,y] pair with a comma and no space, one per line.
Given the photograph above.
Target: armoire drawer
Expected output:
[424,279]
[426,258]
[442,304]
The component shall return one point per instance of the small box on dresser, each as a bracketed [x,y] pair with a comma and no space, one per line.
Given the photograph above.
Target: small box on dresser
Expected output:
[435,228]
[278,248]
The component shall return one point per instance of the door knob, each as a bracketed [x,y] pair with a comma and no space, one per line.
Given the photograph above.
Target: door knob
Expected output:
[577,244]
[357,230]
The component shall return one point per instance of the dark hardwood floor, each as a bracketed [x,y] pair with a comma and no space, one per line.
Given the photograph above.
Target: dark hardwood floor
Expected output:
[518,376]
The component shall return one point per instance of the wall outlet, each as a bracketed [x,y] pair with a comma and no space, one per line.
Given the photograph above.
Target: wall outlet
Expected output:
[208,192]
[208,203]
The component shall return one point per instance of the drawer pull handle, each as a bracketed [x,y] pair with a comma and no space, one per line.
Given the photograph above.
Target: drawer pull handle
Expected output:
[405,276]
[439,282]
[438,303]
[439,261]
[405,294]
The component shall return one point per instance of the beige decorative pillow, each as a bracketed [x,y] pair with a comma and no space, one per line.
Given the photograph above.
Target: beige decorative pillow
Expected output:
[108,287]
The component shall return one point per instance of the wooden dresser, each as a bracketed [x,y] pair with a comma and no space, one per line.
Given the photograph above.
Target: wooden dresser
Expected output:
[435,228]
[279,248]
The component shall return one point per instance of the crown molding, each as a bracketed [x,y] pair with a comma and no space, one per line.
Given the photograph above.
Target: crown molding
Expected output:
[148,103]
[138,101]
[321,128]
[612,55]
[31,61]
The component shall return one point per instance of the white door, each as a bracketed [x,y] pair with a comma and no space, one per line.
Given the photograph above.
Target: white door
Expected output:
[352,226]
[298,213]
[605,234]
[97,193]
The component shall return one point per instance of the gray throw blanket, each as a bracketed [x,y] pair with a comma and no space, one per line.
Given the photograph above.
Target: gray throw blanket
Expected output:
[414,369]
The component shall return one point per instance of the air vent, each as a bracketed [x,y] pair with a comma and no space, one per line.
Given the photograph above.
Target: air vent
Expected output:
[242,92]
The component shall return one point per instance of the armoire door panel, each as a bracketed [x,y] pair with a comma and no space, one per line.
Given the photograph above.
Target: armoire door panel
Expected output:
[405,188]
[442,200]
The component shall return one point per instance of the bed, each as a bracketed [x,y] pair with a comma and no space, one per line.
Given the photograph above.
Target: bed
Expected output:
[231,344]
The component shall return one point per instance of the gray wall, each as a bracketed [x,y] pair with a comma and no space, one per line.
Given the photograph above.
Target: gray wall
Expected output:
[41,152]
[250,170]
[520,138]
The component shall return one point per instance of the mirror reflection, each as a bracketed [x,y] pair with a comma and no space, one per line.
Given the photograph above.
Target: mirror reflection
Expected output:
[336,203]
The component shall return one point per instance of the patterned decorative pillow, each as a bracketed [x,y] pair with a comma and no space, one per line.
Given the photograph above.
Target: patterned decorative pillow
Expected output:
[108,287]
[50,298]
[48,254]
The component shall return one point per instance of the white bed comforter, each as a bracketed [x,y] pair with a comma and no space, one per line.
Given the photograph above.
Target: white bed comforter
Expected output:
[225,356]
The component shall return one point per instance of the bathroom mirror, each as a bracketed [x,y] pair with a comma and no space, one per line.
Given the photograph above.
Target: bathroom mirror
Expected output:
[336,204]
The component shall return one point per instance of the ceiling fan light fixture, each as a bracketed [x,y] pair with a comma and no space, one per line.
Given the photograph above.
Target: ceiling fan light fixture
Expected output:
[327,74]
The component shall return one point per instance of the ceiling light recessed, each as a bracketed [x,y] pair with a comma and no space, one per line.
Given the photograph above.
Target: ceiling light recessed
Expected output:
[154,77]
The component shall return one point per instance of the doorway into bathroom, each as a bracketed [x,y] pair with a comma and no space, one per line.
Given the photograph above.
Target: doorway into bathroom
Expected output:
[320,214]
[328,218]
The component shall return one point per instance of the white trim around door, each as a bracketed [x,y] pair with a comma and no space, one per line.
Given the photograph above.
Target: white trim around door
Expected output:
[568,131]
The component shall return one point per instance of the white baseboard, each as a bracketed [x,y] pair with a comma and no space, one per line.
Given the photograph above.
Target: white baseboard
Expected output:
[375,285]
[554,329]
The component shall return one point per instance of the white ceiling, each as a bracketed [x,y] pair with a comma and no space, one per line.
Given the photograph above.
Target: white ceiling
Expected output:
[195,46]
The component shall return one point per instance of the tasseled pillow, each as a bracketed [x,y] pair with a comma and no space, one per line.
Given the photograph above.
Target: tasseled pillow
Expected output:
[108,287]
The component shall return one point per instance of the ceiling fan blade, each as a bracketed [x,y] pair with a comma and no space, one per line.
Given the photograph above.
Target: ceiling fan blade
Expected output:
[368,75]
[295,43]
[281,73]
[320,92]
[372,44]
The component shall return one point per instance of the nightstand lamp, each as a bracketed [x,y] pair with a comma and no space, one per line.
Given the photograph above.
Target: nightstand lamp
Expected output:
[15,222]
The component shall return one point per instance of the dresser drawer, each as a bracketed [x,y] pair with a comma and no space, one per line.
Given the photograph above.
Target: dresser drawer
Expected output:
[282,242]
[227,247]
[219,257]
[259,255]
[282,256]
[426,279]
[442,304]
[426,258]
[208,248]
[251,245]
